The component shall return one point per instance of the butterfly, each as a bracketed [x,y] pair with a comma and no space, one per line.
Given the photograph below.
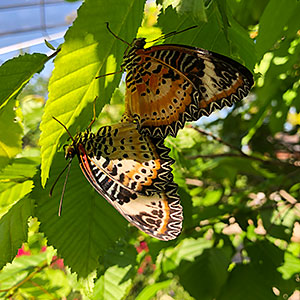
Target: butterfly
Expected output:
[133,173]
[167,85]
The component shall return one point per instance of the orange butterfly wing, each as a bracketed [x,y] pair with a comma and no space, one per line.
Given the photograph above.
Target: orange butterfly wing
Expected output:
[168,85]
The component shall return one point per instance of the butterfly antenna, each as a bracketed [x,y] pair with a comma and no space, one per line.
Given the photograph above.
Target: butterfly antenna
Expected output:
[94,113]
[107,74]
[70,135]
[56,180]
[167,35]
[117,37]
[64,188]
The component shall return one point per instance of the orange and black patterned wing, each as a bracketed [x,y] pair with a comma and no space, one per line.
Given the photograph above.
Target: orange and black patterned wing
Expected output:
[133,175]
[137,162]
[167,85]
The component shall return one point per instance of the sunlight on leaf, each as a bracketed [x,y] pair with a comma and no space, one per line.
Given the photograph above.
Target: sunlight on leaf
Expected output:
[83,56]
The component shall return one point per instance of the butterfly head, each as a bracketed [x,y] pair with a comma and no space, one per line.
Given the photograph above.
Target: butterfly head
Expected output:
[129,53]
[70,151]
[138,43]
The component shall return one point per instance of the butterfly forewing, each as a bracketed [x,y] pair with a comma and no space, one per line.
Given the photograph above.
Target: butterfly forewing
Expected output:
[145,194]
[168,85]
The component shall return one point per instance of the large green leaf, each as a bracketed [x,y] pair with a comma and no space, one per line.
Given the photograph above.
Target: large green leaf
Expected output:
[13,230]
[256,279]
[10,134]
[245,282]
[88,225]
[16,72]
[194,8]
[271,26]
[209,35]
[89,50]
[206,275]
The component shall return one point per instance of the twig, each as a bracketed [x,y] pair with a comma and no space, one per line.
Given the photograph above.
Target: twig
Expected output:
[217,139]
[227,155]
[53,54]
[42,289]
[28,278]
[241,153]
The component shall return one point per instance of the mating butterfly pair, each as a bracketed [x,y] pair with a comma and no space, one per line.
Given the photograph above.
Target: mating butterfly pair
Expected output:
[127,163]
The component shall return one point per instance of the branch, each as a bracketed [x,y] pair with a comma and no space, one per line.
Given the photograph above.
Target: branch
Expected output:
[53,54]
[203,132]
[227,155]
[240,151]
[26,279]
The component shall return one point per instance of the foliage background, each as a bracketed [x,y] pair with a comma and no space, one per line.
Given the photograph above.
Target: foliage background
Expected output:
[238,171]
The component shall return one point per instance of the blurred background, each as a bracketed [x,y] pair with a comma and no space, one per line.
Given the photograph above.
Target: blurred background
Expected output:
[25,24]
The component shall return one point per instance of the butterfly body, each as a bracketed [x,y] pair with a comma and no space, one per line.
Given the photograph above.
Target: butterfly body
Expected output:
[133,173]
[167,85]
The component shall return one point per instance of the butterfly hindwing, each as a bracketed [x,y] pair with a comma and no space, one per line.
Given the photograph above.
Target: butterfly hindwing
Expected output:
[167,85]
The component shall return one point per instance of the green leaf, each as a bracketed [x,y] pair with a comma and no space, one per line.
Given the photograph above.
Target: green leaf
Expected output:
[211,197]
[48,44]
[20,170]
[187,250]
[271,26]
[290,266]
[208,35]
[89,225]
[16,72]
[120,270]
[204,277]
[150,291]
[242,45]
[54,281]
[15,182]
[194,8]
[266,259]
[11,192]
[113,285]
[245,282]
[13,230]
[256,279]
[20,268]
[10,134]
[89,50]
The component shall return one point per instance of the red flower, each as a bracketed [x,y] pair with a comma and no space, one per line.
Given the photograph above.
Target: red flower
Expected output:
[143,246]
[22,251]
[57,263]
